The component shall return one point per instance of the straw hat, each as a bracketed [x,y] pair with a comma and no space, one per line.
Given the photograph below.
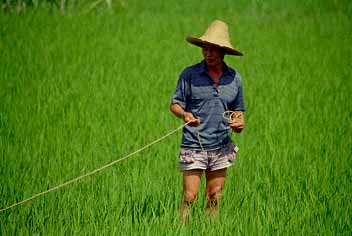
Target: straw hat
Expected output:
[216,34]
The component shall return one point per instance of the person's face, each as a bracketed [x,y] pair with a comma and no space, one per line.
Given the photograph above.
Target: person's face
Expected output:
[213,55]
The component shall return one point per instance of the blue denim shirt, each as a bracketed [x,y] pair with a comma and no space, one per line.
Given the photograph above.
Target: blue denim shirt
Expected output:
[196,93]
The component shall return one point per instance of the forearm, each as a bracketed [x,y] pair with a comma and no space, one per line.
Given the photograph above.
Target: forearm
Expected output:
[177,110]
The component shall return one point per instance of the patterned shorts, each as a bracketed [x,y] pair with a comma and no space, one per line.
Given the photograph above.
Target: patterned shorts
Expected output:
[208,160]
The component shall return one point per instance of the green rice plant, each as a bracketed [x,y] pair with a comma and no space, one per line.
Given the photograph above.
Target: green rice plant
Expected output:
[80,91]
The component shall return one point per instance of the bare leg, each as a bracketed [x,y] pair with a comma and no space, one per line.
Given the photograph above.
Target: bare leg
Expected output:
[215,183]
[191,182]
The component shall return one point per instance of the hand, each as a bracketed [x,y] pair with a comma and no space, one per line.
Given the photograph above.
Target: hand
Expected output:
[237,121]
[188,117]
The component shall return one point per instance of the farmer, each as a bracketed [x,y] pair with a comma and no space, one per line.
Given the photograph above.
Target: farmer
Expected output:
[203,93]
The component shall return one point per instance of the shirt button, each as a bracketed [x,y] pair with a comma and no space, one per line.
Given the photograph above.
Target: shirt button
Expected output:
[215,92]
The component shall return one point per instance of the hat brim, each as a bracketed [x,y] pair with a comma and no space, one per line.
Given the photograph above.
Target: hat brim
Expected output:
[200,43]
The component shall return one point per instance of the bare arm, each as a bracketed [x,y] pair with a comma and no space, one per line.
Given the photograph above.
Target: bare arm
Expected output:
[186,116]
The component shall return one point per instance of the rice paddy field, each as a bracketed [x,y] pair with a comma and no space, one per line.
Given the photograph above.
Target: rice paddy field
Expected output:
[82,90]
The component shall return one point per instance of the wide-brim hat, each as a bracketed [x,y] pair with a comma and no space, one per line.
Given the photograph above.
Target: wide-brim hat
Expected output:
[217,34]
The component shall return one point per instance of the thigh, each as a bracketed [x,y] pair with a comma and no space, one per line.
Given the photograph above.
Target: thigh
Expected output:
[215,180]
[191,180]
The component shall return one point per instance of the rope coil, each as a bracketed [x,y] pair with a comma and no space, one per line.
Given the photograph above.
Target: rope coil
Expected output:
[230,116]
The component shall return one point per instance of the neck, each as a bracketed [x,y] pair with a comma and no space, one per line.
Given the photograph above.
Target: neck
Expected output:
[215,72]
[215,68]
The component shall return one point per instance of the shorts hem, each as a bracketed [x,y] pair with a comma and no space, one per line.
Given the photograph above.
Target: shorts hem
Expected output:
[192,168]
[210,169]
[219,168]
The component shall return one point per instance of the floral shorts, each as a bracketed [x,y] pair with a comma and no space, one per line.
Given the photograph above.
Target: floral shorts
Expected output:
[208,160]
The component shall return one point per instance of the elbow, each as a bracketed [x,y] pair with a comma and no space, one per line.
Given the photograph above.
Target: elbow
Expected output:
[171,107]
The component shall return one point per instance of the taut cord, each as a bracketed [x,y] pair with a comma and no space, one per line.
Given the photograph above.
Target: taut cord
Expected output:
[69,182]
[228,115]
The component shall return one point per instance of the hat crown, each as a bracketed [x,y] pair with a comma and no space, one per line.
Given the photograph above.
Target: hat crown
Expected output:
[217,33]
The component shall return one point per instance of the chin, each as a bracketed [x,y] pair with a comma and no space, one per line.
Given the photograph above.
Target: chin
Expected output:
[213,63]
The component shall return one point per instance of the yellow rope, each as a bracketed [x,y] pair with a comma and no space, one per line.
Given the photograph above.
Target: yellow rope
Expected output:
[91,172]
[228,115]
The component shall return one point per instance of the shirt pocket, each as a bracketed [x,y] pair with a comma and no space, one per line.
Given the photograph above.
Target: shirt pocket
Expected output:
[199,99]
[201,93]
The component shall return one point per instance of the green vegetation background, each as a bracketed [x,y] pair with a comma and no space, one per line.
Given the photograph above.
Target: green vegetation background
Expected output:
[81,90]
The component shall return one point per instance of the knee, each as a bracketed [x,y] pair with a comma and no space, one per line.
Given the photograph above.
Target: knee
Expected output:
[189,197]
[214,194]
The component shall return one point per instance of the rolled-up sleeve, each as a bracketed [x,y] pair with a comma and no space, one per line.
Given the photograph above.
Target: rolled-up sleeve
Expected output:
[181,92]
[238,103]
